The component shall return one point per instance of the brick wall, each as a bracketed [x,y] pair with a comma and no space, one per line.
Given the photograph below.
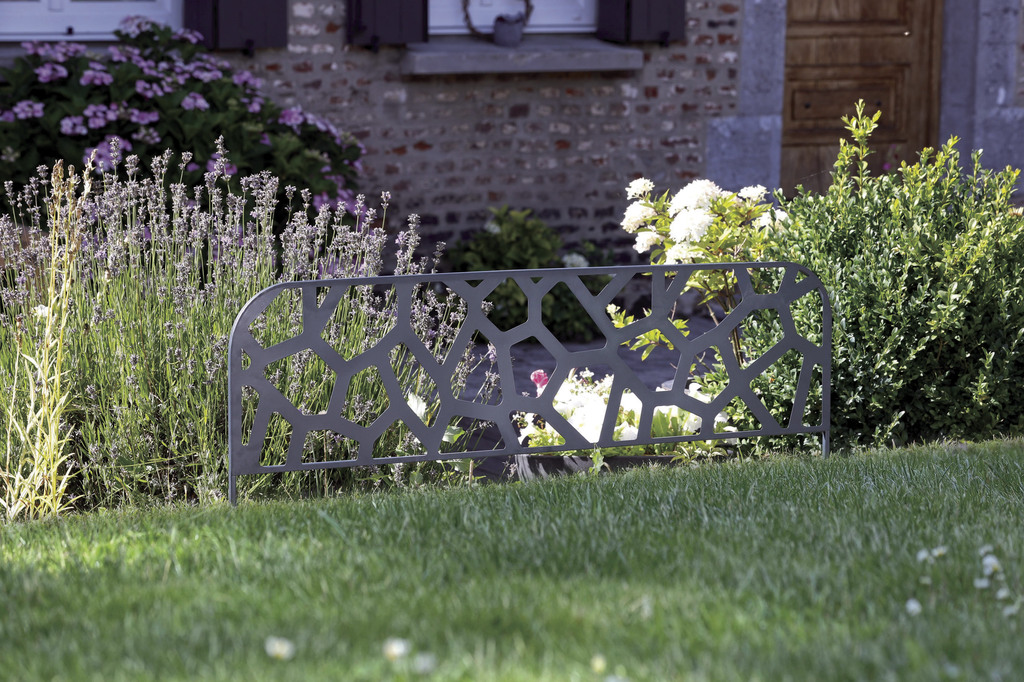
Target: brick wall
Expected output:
[564,145]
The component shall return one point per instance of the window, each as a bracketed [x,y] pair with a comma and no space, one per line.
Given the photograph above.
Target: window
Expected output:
[79,19]
[395,22]
[563,16]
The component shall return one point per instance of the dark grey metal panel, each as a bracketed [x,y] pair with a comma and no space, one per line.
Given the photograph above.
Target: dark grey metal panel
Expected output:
[248,362]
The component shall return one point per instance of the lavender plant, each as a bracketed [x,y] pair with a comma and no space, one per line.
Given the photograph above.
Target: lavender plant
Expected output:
[162,270]
[160,89]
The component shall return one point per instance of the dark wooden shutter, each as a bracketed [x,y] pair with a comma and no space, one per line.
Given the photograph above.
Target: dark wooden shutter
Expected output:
[386,22]
[239,24]
[641,20]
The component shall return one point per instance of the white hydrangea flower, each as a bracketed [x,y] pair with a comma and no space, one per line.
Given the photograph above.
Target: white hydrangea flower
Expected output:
[646,240]
[690,225]
[492,227]
[680,253]
[636,215]
[698,194]
[752,193]
[627,432]
[574,260]
[638,188]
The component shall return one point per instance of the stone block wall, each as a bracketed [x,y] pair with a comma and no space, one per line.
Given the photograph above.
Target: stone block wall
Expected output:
[564,145]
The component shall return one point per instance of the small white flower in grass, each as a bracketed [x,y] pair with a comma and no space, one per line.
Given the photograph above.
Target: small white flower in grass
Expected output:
[41,311]
[279,648]
[990,564]
[598,664]
[939,551]
[574,260]
[424,664]
[638,188]
[985,549]
[982,583]
[396,648]
[1011,610]
[752,193]
[1003,593]
[637,214]
[923,555]
[913,607]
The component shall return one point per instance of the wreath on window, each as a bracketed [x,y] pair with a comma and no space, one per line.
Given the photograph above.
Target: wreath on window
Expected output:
[477,32]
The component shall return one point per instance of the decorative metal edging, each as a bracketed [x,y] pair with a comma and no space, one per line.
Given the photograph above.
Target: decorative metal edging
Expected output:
[249,361]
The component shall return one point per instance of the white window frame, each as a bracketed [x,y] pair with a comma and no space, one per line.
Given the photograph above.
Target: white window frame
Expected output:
[89,19]
[549,16]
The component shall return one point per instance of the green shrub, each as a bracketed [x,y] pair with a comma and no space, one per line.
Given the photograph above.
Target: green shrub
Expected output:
[513,240]
[924,270]
[156,90]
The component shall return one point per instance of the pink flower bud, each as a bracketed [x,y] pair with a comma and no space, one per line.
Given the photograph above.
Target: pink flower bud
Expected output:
[540,378]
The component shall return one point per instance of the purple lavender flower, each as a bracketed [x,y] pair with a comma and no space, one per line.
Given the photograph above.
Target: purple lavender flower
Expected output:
[194,100]
[94,77]
[229,168]
[104,158]
[28,109]
[73,125]
[51,72]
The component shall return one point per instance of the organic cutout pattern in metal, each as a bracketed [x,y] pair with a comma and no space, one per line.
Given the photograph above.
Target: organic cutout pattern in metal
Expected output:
[350,406]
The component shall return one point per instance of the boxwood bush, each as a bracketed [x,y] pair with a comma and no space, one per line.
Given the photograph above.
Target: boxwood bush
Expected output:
[925,269]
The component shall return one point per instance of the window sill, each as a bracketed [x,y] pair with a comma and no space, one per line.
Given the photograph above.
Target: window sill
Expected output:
[537,53]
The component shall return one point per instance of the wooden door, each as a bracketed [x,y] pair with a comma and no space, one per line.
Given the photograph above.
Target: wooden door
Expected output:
[886,52]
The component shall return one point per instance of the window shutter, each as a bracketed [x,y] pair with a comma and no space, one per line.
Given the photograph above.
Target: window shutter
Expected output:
[239,24]
[641,20]
[386,22]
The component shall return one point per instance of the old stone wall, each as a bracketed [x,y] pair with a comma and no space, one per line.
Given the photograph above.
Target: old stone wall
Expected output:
[562,144]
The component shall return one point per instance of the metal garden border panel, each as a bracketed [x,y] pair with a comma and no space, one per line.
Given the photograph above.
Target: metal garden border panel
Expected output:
[249,360]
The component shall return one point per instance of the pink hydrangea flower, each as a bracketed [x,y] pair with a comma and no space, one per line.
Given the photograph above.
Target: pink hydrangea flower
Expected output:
[540,379]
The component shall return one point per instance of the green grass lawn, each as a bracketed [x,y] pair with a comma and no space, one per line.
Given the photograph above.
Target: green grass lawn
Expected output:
[771,570]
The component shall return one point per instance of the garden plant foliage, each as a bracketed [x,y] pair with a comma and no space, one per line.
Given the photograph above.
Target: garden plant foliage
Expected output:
[516,240]
[161,271]
[157,89]
[924,270]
